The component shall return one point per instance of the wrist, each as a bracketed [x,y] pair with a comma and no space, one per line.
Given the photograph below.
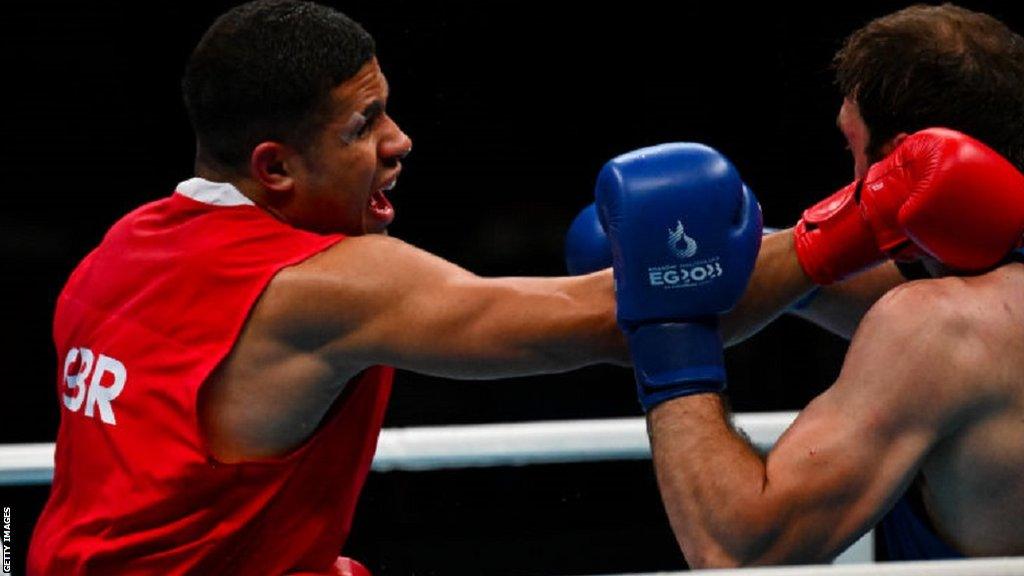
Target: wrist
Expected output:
[676,359]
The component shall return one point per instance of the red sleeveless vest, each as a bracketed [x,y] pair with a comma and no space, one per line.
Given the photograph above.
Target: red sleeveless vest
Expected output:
[141,323]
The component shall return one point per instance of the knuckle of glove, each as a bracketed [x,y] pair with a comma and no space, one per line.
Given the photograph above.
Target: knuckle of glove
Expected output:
[686,229]
[968,209]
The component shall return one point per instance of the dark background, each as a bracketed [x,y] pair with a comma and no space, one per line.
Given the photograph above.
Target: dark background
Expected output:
[513,108]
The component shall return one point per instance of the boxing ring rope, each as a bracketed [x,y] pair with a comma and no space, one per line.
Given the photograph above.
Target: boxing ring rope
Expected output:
[481,445]
[553,442]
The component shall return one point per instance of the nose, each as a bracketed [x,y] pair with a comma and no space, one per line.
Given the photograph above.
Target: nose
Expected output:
[396,144]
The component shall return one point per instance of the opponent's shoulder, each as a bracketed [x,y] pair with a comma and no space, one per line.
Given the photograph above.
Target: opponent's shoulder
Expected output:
[922,334]
[943,308]
[937,339]
[956,309]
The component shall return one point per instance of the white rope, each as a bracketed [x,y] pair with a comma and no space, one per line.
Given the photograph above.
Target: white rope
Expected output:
[23,464]
[521,444]
[563,441]
[438,447]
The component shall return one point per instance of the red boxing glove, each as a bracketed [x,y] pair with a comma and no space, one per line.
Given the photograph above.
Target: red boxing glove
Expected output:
[969,212]
[940,193]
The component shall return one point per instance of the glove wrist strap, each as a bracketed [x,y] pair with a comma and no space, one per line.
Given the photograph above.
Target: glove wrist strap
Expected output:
[676,359]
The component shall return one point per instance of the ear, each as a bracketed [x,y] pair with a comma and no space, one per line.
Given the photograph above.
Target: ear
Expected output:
[893,144]
[268,165]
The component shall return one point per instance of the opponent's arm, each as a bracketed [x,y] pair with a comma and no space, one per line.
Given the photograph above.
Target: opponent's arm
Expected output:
[377,300]
[845,459]
[778,282]
[935,181]
[840,307]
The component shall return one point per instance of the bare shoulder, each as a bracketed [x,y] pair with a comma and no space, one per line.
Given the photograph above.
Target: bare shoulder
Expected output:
[924,316]
[294,357]
[945,310]
[965,312]
[947,339]
[369,253]
[346,286]
[364,261]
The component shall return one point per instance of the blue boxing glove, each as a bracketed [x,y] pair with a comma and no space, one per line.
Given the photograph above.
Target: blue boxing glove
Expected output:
[586,245]
[684,232]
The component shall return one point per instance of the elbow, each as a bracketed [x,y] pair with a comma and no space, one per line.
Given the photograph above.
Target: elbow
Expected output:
[716,555]
[746,541]
[750,548]
[710,558]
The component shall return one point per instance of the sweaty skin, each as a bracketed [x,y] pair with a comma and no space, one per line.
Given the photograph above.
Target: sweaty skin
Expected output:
[931,384]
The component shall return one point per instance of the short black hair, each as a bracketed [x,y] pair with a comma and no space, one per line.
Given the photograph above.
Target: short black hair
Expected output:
[264,71]
[946,66]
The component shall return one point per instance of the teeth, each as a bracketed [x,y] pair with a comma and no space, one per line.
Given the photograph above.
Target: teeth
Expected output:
[389,186]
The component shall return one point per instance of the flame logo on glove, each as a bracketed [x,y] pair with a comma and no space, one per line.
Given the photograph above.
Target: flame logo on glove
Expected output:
[679,235]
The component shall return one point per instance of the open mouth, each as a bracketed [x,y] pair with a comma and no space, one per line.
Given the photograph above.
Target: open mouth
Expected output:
[380,206]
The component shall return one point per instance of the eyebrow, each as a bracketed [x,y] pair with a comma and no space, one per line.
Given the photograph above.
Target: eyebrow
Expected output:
[373,110]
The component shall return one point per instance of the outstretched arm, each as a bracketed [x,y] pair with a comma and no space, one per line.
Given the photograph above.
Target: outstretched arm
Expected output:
[840,307]
[377,300]
[775,285]
[778,282]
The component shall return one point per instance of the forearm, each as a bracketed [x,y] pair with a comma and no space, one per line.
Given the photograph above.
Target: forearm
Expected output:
[506,327]
[575,329]
[711,481]
[839,308]
[776,284]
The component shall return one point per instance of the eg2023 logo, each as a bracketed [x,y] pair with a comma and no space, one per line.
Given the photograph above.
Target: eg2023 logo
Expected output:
[688,273]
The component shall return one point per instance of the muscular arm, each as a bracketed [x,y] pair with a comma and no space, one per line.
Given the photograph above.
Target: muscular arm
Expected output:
[841,464]
[376,300]
[778,282]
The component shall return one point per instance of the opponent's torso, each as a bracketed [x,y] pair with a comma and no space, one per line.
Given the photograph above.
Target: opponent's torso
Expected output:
[973,487]
[139,327]
[972,484]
